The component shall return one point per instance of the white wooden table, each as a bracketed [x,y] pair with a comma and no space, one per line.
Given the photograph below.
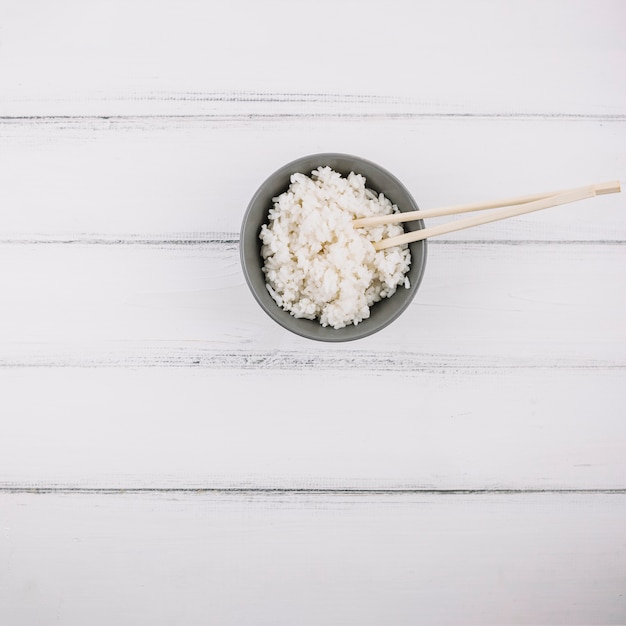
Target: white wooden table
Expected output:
[168,455]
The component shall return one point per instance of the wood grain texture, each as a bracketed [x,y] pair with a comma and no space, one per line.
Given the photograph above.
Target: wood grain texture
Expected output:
[312,559]
[168,455]
[311,428]
[548,56]
[479,305]
[180,178]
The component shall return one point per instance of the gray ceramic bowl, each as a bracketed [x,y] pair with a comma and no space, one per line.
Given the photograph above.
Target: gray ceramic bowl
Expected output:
[380,180]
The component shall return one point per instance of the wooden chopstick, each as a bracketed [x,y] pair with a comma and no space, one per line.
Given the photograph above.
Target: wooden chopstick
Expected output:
[409,216]
[520,207]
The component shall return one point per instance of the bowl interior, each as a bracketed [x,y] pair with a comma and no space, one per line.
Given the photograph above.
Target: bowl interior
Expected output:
[377,178]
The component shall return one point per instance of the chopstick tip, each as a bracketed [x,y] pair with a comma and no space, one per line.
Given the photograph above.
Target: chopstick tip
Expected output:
[612,186]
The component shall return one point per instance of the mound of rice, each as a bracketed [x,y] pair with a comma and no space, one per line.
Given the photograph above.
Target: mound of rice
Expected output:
[317,265]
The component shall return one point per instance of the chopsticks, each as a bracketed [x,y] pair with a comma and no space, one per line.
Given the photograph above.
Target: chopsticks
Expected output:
[514,207]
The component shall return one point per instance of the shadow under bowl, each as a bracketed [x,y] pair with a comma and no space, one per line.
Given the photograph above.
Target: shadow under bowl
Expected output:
[382,313]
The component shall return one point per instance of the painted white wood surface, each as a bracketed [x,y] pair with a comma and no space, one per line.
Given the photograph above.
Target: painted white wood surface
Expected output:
[362,427]
[540,56]
[219,559]
[184,348]
[132,357]
[479,304]
[193,177]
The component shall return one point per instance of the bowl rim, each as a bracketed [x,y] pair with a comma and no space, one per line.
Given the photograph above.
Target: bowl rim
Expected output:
[298,326]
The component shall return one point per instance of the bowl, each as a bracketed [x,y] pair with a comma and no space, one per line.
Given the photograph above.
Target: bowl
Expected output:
[382,313]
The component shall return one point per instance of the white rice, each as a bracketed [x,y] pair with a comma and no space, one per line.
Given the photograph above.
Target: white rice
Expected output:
[317,265]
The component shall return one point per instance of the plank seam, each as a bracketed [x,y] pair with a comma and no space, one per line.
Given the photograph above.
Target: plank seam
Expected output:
[105,123]
[404,363]
[300,491]
[205,239]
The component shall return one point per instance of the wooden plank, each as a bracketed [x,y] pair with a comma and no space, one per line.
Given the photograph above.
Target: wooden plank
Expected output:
[192,177]
[312,428]
[479,305]
[168,57]
[312,560]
